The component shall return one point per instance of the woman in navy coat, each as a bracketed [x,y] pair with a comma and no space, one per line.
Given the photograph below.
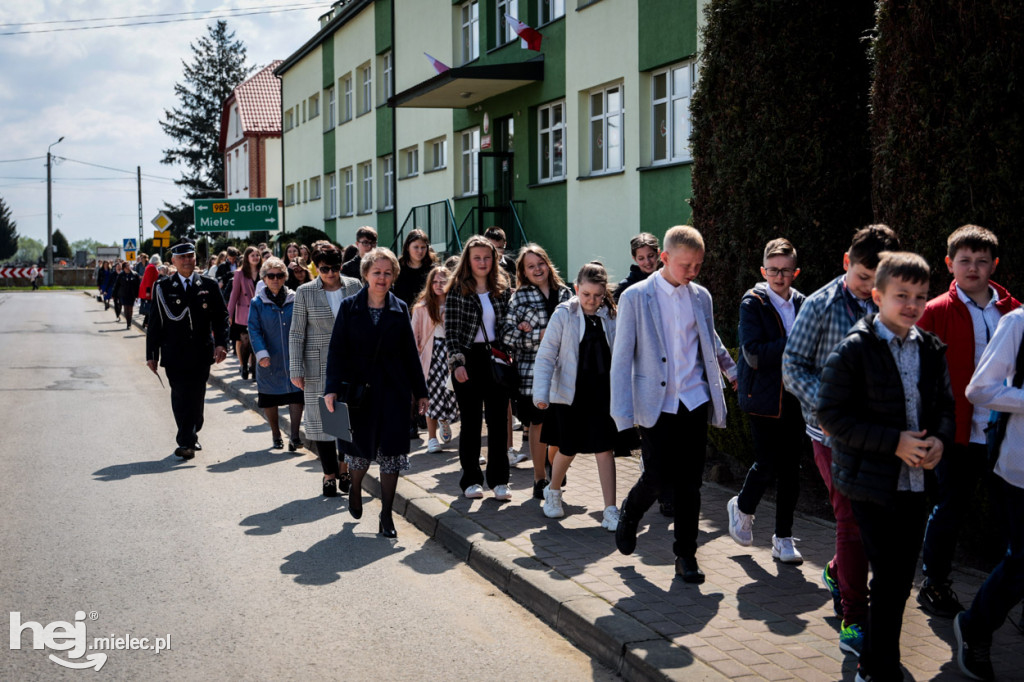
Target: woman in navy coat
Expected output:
[373,344]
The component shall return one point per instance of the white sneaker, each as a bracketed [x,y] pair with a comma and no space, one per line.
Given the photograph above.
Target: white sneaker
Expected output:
[784,550]
[516,457]
[446,430]
[552,506]
[610,518]
[474,492]
[502,492]
[740,524]
[433,446]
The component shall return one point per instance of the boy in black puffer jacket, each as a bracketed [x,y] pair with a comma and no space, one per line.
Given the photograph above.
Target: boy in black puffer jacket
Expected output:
[887,405]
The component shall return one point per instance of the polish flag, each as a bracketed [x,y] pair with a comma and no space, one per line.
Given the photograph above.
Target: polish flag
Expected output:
[438,65]
[531,36]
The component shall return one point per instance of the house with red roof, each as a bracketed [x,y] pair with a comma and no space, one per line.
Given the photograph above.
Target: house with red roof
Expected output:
[250,137]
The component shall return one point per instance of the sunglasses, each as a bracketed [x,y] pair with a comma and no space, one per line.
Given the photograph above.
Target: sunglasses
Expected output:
[329,268]
[275,275]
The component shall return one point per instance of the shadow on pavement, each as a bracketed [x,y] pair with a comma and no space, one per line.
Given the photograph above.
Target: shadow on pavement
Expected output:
[120,472]
[776,600]
[249,460]
[328,559]
[698,607]
[294,513]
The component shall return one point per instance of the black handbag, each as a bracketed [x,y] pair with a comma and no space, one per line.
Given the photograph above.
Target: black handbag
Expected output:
[995,432]
[503,366]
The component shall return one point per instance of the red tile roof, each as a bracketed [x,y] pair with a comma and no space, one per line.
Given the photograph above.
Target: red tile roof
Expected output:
[259,101]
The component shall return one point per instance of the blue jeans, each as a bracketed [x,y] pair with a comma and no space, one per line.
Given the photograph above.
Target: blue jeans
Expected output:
[957,474]
[1005,585]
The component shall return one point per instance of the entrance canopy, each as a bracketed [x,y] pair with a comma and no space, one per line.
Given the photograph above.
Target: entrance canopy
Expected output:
[465,86]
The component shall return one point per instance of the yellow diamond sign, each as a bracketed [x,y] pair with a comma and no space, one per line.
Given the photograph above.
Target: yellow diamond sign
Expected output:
[162,221]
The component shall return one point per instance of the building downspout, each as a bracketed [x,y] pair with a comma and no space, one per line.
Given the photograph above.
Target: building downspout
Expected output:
[394,126]
[280,81]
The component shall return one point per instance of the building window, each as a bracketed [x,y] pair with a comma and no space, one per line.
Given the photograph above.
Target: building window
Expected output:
[289,195]
[314,106]
[235,172]
[329,120]
[551,141]
[245,166]
[387,189]
[470,31]
[410,162]
[671,91]
[348,195]
[289,120]
[314,188]
[551,10]
[470,160]
[227,174]
[237,121]
[331,209]
[346,99]
[303,111]
[386,80]
[504,30]
[438,153]
[366,187]
[606,113]
[366,91]
[305,191]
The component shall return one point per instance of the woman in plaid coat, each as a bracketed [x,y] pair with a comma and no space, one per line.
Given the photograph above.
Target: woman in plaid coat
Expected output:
[531,307]
[475,308]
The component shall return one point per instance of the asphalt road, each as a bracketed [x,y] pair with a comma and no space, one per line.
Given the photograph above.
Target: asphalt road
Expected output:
[233,559]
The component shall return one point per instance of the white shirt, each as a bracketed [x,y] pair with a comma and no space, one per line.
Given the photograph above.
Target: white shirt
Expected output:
[488,320]
[185,281]
[786,309]
[334,299]
[985,322]
[686,382]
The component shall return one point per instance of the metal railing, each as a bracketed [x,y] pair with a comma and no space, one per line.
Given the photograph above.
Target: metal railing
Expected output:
[438,221]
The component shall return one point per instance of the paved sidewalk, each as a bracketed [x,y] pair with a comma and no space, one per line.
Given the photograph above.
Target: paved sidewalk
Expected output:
[753,619]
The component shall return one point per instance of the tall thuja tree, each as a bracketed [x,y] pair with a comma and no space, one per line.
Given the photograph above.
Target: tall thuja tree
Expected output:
[780,139]
[948,126]
[8,232]
[218,65]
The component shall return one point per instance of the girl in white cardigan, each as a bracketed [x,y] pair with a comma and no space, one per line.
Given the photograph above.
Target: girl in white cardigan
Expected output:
[572,377]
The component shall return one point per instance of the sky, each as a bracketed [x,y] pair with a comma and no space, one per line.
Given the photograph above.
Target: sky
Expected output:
[105,92]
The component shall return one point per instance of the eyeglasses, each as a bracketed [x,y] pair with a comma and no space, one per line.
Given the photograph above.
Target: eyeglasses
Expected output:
[329,268]
[775,272]
[367,242]
[275,275]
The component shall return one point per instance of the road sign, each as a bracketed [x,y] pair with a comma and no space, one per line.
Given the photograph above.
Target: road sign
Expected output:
[235,215]
[130,245]
[25,273]
[129,255]
[162,221]
[161,239]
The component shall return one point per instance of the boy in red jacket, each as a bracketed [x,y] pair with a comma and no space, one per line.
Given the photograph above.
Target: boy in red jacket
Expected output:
[964,318]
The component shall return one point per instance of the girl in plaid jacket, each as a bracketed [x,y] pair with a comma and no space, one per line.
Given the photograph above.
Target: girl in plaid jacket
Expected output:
[476,304]
[534,302]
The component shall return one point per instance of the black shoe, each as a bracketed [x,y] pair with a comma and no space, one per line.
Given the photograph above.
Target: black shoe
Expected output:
[294,444]
[129,327]
[355,503]
[687,569]
[625,533]
[667,509]
[278,443]
[185,453]
[939,599]
[972,657]
[245,372]
[414,432]
[538,488]
[344,482]
[197,447]
[330,487]
[386,532]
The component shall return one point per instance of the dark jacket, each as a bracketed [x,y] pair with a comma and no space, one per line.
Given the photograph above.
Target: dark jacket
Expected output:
[184,327]
[635,276]
[861,406]
[410,283]
[762,338]
[126,287]
[462,315]
[351,268]
[393,372]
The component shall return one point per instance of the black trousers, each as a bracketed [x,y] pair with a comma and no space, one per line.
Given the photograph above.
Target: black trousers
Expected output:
[892,537]
[673,453]
[778,445]
[188,398]
[479,394]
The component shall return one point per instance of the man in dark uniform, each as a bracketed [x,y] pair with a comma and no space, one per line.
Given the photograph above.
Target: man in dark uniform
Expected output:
[188,332]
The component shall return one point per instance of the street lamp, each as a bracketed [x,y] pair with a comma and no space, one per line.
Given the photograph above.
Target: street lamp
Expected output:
[49,217]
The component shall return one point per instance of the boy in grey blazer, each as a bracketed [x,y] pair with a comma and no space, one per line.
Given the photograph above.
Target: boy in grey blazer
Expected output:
[667,365]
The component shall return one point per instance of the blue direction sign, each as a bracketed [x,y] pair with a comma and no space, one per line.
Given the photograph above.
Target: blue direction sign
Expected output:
[130,244]
[235,215]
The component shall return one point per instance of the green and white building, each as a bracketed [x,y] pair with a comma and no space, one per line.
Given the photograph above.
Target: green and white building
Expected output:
[578,146]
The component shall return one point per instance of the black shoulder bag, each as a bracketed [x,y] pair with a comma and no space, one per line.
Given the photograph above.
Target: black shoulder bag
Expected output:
[503,367]
[995,432]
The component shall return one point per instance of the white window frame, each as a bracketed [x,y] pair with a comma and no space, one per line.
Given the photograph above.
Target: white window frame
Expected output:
[502,29]
[332,196]
[386,71]
[305,191]
[329,120]
[227,174]
[409,159]
[314,106]
[366,91]
[606,120]
[469,148]
[438,153]
[346,98]
[387,188]
[314,188]
[366,187]
[469,17]
[289,120]
[289,195]
[549,10]
[677,120]
[348,188]
[546,144]
[245,166]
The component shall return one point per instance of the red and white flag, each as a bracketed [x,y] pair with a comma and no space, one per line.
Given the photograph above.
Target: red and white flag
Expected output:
[438,65]
[531,36]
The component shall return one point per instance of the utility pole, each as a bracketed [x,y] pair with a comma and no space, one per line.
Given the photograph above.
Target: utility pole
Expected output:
[49,216]
[138,178]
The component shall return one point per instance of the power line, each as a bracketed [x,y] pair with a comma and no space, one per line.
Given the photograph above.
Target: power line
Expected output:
[131,16]
[111,168]
[159,21]
[29,158]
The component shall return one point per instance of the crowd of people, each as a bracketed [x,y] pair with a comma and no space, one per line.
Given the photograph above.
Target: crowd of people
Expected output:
[892,392]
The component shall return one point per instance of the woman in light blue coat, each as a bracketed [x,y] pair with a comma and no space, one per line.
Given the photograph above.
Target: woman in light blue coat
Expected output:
[572,376]
[270,320]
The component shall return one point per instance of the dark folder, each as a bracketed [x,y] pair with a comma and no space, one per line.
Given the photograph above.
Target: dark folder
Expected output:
[336,423]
